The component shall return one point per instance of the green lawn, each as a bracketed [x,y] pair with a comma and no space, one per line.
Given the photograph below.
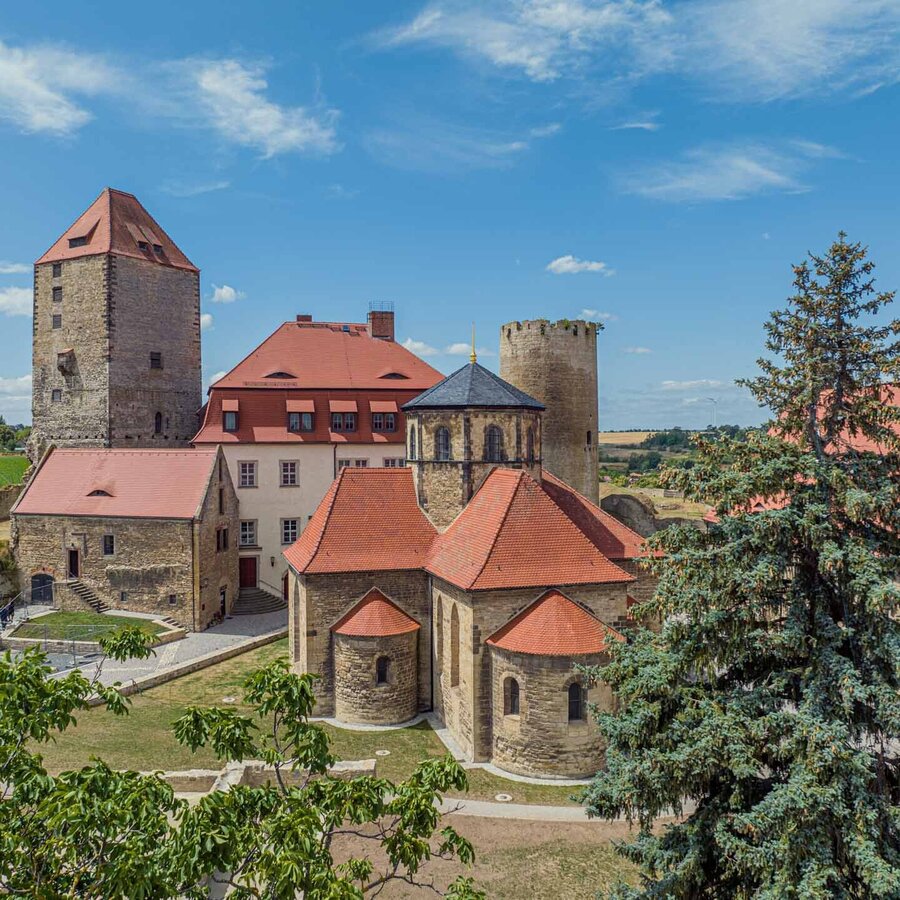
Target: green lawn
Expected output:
[143,739]
[12,468]
[80,626]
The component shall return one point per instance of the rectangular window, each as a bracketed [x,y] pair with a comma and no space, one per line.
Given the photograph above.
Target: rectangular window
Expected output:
[384,422]
[220,470]
[360,464]
[57,321]
[377,421]
[55,395]
[157,249]
[289,473]
[78,242]
[230,421]
[173,599]
[155,360]
[123,597]
[394,462]
[248,533]
[288,531]
[109,545]
[57,270]
[221,540]
[143,245]
[337,421]
[343,463]
[300,421]
[221,501]
[247,474]
[349,421]
[57,295]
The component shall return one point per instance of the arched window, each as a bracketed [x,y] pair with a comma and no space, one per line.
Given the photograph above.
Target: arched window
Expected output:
[382,670]
[454,647]
[442,443]
[529,446]
[439,633]
[577,702]
[510,697]
[493,444]
[157,423]
[412,442]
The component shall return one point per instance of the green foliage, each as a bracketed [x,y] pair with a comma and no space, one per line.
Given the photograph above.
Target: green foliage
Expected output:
[768,706]
[645,462]
[105,834]
[673,439]
[12,468]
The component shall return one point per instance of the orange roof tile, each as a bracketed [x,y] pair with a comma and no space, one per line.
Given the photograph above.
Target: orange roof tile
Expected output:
[154,484]
[375,616]
[512,534]
[554,626]
[613,539]
[368,521]
[115,223]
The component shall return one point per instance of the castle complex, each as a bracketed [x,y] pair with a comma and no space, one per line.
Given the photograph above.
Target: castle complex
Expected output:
[436,540]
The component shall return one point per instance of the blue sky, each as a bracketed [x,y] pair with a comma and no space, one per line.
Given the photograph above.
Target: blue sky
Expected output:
[656,165]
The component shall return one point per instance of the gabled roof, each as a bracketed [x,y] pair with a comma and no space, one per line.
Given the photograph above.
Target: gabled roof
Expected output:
[375,616]
[368,521]
[116,222]
[554,626]
[605,532]
[473,386]
[329,356]
[153,484]
[511,534]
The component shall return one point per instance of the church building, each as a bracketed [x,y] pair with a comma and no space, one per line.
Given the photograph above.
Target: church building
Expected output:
[469,583]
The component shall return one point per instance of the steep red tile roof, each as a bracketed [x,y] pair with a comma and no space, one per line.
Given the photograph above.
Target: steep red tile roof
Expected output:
[155,484]
[375,616]
[368,521]
[554,626]
[512,534]
[330,356]
[605,532]
[114,223]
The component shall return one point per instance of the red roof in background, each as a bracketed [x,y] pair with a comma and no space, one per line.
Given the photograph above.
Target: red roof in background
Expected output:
[511,534]
[330,356]
[375,616]
[114,223]
[554,626]
[368,521]
[263,418]
[155,484]
[604,531]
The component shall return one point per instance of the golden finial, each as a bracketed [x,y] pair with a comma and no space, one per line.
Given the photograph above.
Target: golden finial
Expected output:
[474,357]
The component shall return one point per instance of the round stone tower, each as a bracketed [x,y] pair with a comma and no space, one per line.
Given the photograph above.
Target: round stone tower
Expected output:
[556,363]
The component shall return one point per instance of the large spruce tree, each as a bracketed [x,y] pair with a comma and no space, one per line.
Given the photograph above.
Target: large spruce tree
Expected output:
[766,710]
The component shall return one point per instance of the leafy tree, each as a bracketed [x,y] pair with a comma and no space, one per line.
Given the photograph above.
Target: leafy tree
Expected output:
[100,833]
[767,708]
[644,462]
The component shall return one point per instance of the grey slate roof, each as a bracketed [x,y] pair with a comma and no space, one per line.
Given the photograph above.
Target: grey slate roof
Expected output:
[473,385]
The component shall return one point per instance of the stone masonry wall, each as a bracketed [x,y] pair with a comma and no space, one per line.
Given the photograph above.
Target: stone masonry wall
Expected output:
[318,601]
[9,493]
[357,697]
[556,363]
[153,308]
[541,740]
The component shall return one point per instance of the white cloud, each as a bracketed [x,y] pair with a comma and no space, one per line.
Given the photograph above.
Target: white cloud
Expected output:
[185,189]
[10,268]
[725,172]
[232,94]
[595,315]
[637,125]
[638,350]
[340,192]
[692,385]
[420,348]
[16,301]
[15,397]
[461,348]
[570,265]
[542,131]
[16,386]
[206,321]
[39,84]
[225,294]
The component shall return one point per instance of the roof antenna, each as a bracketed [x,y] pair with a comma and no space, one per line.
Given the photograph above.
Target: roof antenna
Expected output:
[474,357]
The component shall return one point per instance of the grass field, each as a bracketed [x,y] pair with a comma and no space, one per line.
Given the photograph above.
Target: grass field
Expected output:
[666,507]
[79,626]
[143,739]
[623,438]
[12,468]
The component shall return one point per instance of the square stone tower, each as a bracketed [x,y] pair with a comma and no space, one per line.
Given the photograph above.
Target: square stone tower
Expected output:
[116,345]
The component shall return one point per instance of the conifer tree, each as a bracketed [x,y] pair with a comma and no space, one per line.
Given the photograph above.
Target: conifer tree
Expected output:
[766,710]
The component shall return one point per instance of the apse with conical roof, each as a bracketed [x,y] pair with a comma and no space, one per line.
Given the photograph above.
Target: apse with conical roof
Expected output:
[457,431]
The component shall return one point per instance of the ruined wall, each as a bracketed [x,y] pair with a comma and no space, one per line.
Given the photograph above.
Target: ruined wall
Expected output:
[556,363]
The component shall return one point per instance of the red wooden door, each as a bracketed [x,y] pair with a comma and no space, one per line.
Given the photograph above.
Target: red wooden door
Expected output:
[248,571]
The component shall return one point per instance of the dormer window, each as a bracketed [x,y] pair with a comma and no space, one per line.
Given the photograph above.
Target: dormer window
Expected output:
[143,245]
[282,375]
[394,375]
[157,249]
[78,242]
[99,493]
[230,420]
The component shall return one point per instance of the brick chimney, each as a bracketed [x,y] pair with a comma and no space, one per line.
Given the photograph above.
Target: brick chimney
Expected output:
[304,317]
[381,320]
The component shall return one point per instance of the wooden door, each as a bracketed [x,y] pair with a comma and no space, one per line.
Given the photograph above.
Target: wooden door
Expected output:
[248,571]
[74,564]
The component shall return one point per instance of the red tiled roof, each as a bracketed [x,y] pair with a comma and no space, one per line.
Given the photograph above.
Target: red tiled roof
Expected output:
[368,521]
[325,356]
[512,534]
[114,223]
[554,626]
[155,484]
[375,616]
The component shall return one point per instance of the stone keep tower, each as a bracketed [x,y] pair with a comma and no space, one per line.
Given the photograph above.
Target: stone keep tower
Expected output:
[116,346]
[556,362]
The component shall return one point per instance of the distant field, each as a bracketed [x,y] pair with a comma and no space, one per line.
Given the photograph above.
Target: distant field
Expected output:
[12,468]
[623,437]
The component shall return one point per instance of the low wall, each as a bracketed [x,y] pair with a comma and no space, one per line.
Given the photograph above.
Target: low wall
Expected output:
[641,516]
[82,648]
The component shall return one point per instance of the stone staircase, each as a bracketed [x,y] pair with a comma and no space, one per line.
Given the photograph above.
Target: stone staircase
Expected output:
[87,596]
[255,602]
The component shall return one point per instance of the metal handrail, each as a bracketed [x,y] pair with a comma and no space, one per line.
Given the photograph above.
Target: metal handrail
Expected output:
[278,590]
